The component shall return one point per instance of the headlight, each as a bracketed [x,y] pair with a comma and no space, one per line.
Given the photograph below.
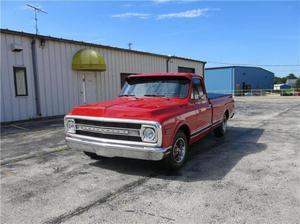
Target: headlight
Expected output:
[70,126]
[149,134]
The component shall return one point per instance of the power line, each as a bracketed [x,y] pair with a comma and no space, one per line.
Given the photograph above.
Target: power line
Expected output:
[266,65]
[36,11]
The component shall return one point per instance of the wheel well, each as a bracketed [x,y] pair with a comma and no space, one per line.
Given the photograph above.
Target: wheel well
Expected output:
[186,131]
[227,114]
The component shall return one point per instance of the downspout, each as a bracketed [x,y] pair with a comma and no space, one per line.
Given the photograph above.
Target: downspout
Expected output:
[203,68]
[167,63]
[233,82]
[35,77]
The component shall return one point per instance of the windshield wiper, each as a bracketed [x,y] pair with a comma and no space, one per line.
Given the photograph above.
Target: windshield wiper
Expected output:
[154,95]
[127,95]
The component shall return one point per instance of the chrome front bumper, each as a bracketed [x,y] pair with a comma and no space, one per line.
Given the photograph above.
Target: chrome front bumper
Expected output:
[109,149]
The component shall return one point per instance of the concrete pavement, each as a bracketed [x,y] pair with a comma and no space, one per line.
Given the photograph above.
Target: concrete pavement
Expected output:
[250,176]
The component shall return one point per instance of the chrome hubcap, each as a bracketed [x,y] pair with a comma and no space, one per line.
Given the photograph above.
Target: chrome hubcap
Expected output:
[179,150]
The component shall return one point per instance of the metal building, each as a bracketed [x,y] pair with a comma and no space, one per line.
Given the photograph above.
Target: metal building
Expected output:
[237,79]
[40,77]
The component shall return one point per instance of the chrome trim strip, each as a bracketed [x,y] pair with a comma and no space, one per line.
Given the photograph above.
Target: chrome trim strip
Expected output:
[106,140]
[217,122]
[201,130]
[118,150]
[108,119]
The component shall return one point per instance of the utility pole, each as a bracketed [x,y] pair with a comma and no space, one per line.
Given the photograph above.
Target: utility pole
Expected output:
[129,45]
[36,11]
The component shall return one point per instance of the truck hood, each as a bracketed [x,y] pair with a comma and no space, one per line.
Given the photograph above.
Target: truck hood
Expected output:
[149,108]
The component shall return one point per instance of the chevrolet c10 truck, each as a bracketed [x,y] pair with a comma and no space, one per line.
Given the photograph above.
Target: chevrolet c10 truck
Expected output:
[155,117]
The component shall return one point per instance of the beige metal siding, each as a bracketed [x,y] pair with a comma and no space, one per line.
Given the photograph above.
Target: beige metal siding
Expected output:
[61,87]
[175,63]
[16,107]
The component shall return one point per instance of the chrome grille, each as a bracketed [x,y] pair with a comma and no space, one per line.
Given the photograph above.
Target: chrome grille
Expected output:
[108,130]
[108,124]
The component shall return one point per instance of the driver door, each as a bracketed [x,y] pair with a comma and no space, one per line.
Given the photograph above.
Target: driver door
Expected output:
[202,105]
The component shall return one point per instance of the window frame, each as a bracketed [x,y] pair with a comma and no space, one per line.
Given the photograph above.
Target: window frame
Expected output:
[158,78]
[15,69]
[199,86]
[123,74]
[183,69]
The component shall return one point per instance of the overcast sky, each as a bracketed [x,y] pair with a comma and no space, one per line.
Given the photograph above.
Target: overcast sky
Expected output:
[239,32]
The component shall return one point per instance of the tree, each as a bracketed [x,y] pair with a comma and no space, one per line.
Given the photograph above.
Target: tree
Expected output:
[297,84]
[291,76]
[282,80]
[279,80]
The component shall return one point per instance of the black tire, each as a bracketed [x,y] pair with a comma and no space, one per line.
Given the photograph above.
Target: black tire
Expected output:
[177,158]
[93,155]
[221,130]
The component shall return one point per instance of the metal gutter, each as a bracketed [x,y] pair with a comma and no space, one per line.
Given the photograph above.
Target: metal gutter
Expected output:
[35,77]
[167,63]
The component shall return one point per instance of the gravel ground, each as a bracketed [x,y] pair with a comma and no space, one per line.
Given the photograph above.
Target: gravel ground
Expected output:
[250,176]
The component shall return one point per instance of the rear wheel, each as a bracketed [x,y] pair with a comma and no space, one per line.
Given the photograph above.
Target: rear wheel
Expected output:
[221,130]
[178,152]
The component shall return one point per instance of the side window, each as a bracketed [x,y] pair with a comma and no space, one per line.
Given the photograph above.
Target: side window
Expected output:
[20,80]
[201,93]
[197,90]
[195,93]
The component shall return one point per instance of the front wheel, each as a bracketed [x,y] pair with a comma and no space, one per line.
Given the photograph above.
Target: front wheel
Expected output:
[178,153]
[221,130]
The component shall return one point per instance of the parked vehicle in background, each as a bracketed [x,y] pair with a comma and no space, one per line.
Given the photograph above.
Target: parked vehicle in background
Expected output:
[155,117]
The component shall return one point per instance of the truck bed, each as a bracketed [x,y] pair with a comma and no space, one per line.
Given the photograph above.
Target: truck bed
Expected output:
[217,95]
[219,102]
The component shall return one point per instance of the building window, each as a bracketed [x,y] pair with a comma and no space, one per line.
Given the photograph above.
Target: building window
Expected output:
[20,80]
[186,70]
[123,78]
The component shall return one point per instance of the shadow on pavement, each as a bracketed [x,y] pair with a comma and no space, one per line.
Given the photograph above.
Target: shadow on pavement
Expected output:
[210,159]
[31,125]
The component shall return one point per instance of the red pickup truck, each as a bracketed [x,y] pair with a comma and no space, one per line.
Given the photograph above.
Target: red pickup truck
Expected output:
[155,117]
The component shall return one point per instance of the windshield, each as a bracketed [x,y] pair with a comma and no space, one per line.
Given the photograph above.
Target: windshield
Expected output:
[156,87]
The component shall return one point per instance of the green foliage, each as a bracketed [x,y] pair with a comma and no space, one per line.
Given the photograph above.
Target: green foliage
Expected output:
[297,84]
[282,80]
[291,76]
[279,80]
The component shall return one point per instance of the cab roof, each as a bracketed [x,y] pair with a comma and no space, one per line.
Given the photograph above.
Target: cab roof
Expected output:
[169,74]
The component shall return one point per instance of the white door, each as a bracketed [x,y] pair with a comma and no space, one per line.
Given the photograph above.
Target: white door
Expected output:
[88,87]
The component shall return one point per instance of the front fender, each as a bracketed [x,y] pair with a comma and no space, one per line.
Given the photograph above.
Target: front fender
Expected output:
[170,130]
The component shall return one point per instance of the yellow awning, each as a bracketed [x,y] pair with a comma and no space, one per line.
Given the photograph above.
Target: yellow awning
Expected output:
[88,60]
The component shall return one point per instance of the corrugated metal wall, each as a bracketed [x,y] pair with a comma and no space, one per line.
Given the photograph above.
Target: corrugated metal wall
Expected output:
[228,79]
[175,63]
[12,107]
[219,80]
[61,87]
[258,78]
